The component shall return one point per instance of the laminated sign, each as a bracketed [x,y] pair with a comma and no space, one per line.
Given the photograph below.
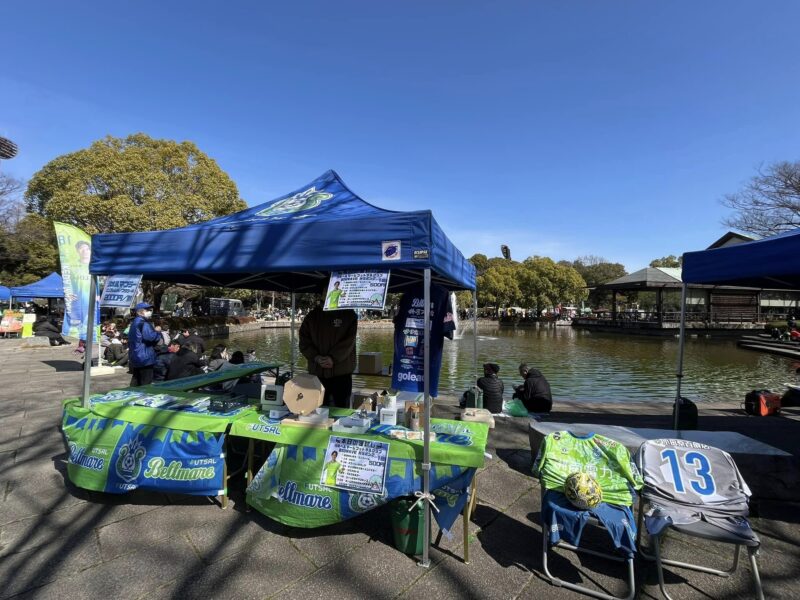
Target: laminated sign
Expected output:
[120,290]
[355,465]
[362,289]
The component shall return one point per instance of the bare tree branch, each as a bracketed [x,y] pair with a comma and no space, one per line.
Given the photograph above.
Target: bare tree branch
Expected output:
[769,203]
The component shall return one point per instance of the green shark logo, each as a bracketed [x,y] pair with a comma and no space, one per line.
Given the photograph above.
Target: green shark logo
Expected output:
[300,202]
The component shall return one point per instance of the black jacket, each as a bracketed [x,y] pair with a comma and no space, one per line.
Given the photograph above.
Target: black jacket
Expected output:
[185,363]
[492,387]
[535,392]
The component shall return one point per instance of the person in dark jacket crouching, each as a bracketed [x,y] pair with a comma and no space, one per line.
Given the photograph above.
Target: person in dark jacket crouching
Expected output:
[492,388]
[142,341]
[535,391]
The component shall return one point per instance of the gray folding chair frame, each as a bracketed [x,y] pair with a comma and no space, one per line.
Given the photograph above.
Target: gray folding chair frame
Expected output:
[631,581]
[752,549]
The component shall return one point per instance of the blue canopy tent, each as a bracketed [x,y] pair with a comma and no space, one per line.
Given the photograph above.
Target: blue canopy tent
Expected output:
[770,263]
[292,244]
[5,294]
[51,286]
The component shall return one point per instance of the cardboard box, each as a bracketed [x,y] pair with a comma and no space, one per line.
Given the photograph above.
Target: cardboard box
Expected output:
[370,363]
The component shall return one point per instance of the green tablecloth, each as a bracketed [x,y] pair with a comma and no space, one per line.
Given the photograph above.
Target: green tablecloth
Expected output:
[457,442]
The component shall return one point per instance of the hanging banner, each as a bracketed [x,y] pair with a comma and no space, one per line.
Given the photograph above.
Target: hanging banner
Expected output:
[110,455]
[357,289]
[355,465]
[287,489]
[75,252]
[408,367]
[120,290]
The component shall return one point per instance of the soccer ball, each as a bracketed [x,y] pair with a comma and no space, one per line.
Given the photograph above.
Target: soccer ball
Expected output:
[583,491]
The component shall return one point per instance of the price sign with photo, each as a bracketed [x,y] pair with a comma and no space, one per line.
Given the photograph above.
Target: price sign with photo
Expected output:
[361,289]
[355,465]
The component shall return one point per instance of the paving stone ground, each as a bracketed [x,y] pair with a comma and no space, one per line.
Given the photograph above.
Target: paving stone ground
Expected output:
[59,541]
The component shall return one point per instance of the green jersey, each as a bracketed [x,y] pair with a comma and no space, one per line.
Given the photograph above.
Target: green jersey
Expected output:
[562,454]
[330,471]
[333,298]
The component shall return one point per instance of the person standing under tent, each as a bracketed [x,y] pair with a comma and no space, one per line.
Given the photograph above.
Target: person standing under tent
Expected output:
[328,341]
[142,341]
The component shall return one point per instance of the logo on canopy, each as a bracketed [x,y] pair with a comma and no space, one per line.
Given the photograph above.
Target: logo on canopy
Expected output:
[300,202]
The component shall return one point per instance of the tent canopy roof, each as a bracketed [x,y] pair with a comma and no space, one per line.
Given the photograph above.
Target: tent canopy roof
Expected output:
[5,293]
[291,244]
[50,287]
[769,263]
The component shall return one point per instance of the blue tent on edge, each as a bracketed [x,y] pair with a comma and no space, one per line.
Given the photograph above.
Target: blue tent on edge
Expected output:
[51,286]
[291,244]
[5,293]
[770,263]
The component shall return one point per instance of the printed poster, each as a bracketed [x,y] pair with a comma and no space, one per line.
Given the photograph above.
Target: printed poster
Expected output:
[357,289]
[75,253]
[11,322]
[355,465]
[120,290]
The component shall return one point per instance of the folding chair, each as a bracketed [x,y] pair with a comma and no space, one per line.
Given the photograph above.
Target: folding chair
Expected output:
[620,518]
[696,490]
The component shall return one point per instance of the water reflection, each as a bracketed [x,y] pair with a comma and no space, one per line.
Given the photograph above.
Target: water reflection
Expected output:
[579,364]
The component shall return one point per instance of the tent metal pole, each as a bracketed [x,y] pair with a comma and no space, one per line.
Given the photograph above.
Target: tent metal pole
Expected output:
[475,334]
[292,336]
[681,345]
[90,334]
[426,453]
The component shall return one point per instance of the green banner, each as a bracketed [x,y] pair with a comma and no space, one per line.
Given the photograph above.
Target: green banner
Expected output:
[74,252]
[288,489]
[109,455]
[207,379]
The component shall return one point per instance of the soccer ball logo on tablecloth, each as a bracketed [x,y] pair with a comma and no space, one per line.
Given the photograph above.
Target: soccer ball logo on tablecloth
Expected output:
[583,491]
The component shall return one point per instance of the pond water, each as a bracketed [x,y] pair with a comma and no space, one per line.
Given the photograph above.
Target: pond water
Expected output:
[580,365]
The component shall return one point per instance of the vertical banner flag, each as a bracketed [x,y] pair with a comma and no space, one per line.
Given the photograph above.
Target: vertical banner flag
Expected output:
[75,252]
[120,290]
[408,366]
[357,289]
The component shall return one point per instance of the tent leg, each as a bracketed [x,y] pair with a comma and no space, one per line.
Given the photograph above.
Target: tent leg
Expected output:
[426,458]
[475,334]
[90,334]
[292,336]
[681,345]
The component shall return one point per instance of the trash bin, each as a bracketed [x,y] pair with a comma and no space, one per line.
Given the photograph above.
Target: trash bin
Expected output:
[407,526]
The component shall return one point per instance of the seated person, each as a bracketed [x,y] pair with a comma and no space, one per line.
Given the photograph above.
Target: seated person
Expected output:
[219,357]
[44,328]
[188,337]
[535,391]
[185,363]
[116,352]
[492,388]
[164,356]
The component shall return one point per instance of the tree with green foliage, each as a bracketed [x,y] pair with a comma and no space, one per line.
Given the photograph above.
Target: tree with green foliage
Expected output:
[670,261]
[135,183]
[595,271]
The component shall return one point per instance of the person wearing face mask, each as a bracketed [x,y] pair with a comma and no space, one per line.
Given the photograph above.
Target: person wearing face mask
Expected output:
[142,341]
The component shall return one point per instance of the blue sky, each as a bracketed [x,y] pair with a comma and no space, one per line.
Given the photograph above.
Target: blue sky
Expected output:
[558,128]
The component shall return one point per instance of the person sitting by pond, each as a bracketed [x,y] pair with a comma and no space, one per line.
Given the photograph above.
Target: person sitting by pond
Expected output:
[219,357]
[535,391]
[45,328]
[185,363]
[188,337]
[492,387]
